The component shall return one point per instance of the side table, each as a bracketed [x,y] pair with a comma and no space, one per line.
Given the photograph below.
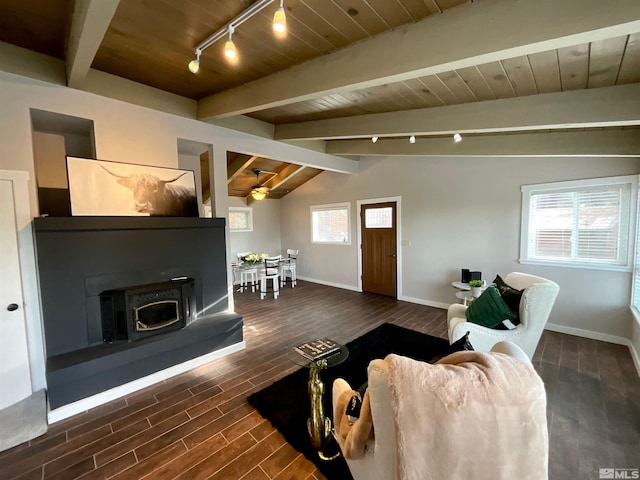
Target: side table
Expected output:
[319,425]
[466,297]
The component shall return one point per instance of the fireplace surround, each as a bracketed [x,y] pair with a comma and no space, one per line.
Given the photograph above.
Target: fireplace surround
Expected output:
[80,258]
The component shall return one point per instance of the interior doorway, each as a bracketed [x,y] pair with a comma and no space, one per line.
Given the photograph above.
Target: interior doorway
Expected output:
[378,231]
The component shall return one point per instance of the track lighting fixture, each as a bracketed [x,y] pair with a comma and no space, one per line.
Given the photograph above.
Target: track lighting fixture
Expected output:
[194,65]
[229,46]
[457,138]
[280,19]
[374,139]
[412,139]
[279,26]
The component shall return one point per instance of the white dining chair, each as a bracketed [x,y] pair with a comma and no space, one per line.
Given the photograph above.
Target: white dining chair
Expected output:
[288,264]
[271,271]
[248,274]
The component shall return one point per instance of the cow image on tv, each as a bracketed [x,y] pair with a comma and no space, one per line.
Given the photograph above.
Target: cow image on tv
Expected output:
[158,197]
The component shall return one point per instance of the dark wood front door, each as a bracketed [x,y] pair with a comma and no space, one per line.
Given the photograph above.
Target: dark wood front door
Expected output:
[379,260]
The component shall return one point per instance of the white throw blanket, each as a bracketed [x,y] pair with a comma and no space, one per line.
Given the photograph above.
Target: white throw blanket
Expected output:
[472,415]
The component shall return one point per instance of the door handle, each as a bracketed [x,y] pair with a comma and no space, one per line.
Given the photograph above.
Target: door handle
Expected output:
[393,255]
[12,307]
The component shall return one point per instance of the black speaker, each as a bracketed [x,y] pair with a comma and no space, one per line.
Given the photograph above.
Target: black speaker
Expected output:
[464,277]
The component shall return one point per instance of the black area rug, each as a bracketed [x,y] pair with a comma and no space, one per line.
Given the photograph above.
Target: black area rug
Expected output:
[285,403]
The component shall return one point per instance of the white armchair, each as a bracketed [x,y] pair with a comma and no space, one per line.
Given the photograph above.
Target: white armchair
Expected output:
[537,300]
[459,419]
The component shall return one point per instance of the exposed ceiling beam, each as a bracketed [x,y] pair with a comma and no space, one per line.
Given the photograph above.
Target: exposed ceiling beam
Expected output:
[285,175]
[483,32]
[89,23]
[242,123]
[238,166]
[605,143]
[598,107]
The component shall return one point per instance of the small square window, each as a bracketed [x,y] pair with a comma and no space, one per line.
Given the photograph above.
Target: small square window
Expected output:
[240,219]
[331,224]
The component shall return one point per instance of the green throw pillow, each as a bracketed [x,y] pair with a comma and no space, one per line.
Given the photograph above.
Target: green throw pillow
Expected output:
[489,309]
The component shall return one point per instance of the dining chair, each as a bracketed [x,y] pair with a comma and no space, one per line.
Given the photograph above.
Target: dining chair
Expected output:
[247,273]
[288,264]
[271,271]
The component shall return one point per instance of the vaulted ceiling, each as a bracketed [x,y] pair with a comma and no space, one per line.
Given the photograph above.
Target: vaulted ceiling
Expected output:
[514,77]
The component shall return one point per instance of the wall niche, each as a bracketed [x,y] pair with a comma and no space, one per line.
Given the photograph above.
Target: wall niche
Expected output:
[55,136]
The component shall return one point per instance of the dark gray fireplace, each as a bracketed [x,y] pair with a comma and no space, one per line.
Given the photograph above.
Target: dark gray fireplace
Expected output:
[82,260]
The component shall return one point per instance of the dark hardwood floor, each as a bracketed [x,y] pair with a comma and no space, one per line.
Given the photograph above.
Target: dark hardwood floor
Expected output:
[199,424]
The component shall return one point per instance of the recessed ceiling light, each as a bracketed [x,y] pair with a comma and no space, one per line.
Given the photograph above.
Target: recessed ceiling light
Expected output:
[457,138]
[374,139]
[412,139]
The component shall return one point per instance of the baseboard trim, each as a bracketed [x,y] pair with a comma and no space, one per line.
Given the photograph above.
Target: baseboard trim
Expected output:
[80,406]
[428,303]
[580,332]
[603,337]
[330,284]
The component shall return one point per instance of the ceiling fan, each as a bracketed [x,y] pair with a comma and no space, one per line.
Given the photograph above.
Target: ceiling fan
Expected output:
[258,192]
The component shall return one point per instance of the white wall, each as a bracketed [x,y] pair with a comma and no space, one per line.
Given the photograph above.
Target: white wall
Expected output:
[461,213]
[265,237]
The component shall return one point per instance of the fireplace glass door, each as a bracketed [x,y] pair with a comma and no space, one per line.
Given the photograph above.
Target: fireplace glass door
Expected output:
[153,316]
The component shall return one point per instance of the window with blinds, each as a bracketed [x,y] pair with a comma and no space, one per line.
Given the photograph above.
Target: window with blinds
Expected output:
[586,223]
[331,224]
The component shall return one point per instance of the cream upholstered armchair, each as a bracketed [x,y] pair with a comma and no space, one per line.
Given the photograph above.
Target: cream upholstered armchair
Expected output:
[471,415]
[535,305]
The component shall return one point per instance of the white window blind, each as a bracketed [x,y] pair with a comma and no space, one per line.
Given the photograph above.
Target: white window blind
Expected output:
[331,224]
[584,223]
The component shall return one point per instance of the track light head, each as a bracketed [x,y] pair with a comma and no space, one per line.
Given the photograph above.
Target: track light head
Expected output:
[374,139]
[457,138]
[412,139]
[229,46]
[230,49]
[280,19]
[194,65]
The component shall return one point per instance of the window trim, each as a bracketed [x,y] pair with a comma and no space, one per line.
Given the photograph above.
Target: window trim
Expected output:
[572,185]
[249,211]
[331,206]
[635,280]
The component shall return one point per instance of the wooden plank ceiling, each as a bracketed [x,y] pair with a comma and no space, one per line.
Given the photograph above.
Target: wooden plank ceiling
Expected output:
[356,60]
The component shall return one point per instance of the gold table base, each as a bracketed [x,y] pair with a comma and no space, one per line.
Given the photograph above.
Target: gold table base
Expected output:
[318,425]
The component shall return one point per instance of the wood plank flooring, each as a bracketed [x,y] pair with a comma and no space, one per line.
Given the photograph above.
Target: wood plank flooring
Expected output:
[199,425]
